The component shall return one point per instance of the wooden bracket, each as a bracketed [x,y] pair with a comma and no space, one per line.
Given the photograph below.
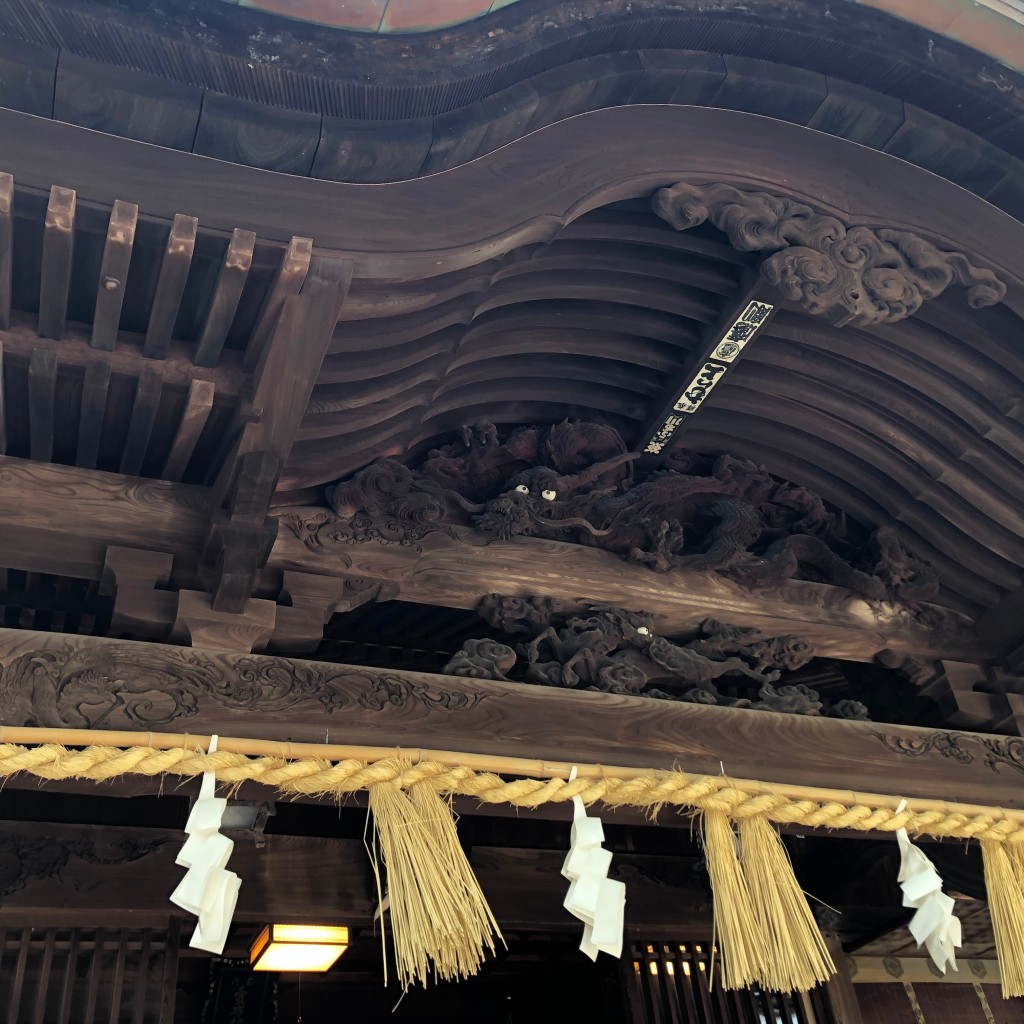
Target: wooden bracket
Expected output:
[312,600]
[200,624]
[131,576]
[979,697]
[242,536]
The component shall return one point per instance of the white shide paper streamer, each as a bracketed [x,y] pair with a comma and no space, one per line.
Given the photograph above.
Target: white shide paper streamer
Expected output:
[208,890]
[934,924]
[598,901]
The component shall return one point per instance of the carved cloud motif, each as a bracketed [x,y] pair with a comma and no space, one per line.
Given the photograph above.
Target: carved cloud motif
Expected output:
[848,274]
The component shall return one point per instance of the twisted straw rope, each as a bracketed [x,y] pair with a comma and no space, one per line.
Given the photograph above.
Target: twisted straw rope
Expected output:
[649,790]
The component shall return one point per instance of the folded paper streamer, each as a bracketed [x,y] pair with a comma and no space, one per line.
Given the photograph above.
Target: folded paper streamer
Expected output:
[597,900]
[934,925]
[208,889]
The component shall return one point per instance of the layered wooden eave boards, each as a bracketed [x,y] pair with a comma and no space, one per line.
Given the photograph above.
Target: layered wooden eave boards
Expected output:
[270,377]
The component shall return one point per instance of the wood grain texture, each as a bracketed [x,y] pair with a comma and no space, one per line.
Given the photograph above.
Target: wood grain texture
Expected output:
[55,278]
[288,279]
[458,573]
[198,404]
[95,388]
[59,680]
[354,150]
[542,178]
[228,290]
[119,101]
[42,381]
[117,255]
[269,137]
[200,624]
[6,247]
[59,520]
[181,241]
[140,427]
[59,514]
[287,369]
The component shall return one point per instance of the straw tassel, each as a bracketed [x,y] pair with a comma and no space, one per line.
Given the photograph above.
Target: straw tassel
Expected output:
[440,921]
[1003,884]
[475,928]
[798,958]
[738,931]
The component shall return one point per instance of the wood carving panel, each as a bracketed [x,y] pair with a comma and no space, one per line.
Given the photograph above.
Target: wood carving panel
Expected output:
[613,650]
[575,482]
[851,274]
[59,680]
[85,684]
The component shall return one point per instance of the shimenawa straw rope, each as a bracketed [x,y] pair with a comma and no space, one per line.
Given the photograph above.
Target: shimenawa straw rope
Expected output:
[321,770]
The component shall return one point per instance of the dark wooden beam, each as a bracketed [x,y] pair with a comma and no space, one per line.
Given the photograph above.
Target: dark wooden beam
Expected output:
[457,571]
[59,680]
[55,278]
[197,410]
[604,155]
[105,876]
[59,519]
[288,279]
[241,533]
[74,350]
[42,384]
[6,247]
[140,428]
[170,286]
[95,387]
[228,290]
[110,288]
[288,366]
[724,345]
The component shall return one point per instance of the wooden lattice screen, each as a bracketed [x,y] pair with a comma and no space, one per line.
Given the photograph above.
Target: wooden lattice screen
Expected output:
[88,976]
[680,983]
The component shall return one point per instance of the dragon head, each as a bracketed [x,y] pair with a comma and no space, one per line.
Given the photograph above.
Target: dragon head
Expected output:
[541,499]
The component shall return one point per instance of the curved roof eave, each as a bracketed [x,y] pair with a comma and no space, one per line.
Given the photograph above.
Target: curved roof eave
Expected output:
[992,27]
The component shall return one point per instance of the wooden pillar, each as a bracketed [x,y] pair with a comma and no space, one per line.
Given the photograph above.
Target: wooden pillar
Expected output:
[840,987]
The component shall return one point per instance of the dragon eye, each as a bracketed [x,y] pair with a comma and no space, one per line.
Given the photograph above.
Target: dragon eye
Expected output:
[522,489]
[643,630]
[548,495]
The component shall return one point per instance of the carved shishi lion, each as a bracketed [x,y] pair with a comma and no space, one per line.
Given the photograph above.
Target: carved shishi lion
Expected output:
[575,482]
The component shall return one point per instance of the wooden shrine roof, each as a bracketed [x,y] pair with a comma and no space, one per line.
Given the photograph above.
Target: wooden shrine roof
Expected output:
[555,292]
[235,282]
